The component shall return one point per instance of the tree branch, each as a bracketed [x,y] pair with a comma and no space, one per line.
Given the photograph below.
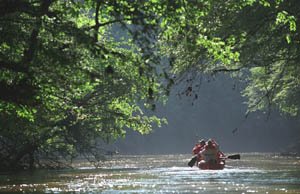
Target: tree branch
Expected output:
[13,66]
[226,70]
[97,24]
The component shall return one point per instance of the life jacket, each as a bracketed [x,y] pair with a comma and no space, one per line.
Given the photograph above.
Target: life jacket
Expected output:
[209,153]
[213,146]
[221,154]
[197,148]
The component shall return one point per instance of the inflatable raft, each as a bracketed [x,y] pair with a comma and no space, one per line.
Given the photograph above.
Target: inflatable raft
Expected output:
[218,164]
[213,165]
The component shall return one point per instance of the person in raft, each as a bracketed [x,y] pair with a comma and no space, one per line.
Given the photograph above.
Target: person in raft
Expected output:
[210,153]
[220,154]
[198,147]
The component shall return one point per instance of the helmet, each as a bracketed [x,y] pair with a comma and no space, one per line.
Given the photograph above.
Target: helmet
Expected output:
[201,141]
[209,142]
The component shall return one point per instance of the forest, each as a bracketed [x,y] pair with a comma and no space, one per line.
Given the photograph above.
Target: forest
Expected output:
[75,73]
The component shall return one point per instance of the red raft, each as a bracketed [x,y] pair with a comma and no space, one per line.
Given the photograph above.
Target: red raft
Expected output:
[218,164]
[214,165]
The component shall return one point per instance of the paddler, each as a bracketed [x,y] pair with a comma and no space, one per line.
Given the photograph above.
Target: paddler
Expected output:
[220,154]
[209,153]
[198,147]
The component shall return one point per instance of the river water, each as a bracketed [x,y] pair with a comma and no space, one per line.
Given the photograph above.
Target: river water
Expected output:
[255,173]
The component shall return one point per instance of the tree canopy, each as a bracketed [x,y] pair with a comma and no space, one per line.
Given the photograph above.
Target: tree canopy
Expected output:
[254,40]
[73,73]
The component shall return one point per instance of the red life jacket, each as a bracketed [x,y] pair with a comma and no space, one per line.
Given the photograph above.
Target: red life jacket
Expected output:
[210,152]
[197,148]
[213,146]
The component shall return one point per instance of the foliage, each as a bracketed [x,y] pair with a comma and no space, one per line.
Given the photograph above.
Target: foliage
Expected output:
[76,72]
[255,40]
[73,73]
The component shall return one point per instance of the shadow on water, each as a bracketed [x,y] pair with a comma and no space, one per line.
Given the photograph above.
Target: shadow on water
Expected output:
[255,173]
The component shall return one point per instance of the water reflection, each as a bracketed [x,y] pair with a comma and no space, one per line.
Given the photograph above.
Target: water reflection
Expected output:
[255,173]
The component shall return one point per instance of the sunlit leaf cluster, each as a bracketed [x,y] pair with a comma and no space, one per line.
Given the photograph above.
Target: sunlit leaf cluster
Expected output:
[257,38]
[74,74]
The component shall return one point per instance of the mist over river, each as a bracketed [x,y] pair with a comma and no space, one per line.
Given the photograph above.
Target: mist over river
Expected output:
[254,173]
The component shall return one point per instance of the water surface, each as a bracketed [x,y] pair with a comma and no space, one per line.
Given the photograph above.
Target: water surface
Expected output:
[254,173]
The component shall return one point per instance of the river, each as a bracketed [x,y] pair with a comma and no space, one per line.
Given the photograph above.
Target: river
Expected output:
[267,173]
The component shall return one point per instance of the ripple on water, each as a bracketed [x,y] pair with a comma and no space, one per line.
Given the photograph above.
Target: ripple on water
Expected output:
[166,174]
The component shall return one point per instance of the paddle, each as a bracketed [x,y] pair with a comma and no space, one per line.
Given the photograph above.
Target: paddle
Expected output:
[234,157]
[192,162]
